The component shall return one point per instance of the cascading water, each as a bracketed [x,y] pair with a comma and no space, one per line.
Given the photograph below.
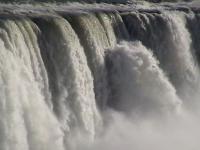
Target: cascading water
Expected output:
[183,69]
[26,120]
[94,41]
[71,80]
[99,77]
[172,45]
[107,24]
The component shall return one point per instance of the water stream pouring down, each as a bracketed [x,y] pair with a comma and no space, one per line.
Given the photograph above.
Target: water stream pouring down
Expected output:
[99,77]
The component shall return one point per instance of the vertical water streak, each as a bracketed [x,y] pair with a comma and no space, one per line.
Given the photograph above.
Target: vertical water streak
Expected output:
[107,25]
[30,31]
[193,25]
[70,79]
[26,120]
[166,34]
[151,29]
[119,27]
[179,60]
[94,40]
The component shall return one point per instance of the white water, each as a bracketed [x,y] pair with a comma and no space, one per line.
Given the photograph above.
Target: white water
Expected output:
[74,99]
[26,120]
[56,73]
[152,121]
[95,42]
[108,27]
[182,67]
[138,84]
[178,60]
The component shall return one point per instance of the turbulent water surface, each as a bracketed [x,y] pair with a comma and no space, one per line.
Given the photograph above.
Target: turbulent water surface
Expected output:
[113,77]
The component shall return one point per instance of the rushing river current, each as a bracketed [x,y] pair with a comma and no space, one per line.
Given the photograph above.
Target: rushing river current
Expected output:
[99,78]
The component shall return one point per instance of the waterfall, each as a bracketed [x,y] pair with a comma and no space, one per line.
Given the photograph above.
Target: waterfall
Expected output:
[108,27]
[95,42]
[183,69]
[99,76]
[26,119]
[71,80]
[119,27]
[172,45]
